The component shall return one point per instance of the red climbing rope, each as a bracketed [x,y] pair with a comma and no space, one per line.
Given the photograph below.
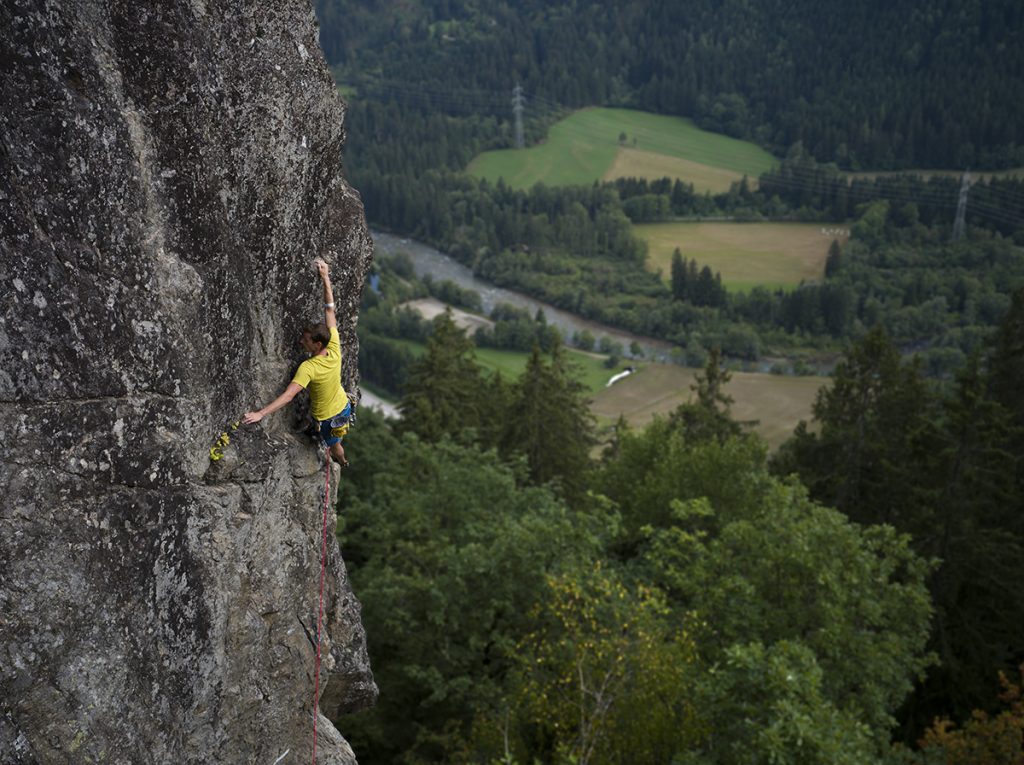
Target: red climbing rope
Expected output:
[320,610]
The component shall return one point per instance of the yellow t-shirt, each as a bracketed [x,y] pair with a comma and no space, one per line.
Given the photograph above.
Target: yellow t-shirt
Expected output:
[321,376]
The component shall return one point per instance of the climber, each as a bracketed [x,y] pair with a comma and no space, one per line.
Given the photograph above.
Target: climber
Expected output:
[320,374]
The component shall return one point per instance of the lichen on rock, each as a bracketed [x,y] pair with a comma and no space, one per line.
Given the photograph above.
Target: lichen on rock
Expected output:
[167,172]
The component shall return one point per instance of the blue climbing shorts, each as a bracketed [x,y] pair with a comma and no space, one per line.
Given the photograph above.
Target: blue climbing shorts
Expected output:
[334,429]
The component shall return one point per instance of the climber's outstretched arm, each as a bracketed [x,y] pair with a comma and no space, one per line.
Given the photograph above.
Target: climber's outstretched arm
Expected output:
[329,317]
[289,393]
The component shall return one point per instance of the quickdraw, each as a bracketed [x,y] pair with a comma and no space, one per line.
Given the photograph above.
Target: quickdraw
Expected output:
[217,450]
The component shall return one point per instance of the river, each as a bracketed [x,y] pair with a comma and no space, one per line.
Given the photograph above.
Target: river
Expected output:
[427,260]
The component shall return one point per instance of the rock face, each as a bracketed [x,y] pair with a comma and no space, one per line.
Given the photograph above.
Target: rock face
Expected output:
[168,169]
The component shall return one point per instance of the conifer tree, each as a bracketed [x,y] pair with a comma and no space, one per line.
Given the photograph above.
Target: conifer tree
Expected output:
[679,283]
[692,276]
[834,260]
[550,423]
[876,426]
[1007,360]
[709,386]
[708,418]
[705,292]
[977,534]
[443,390]
[945,469]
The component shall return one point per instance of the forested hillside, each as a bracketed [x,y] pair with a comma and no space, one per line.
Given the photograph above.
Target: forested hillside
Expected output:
[682,599]
[876,84]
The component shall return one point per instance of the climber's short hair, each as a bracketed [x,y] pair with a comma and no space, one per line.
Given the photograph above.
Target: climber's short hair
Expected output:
[318,333]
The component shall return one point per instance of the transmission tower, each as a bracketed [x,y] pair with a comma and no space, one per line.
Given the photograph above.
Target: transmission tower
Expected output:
[961,207]
[517,110]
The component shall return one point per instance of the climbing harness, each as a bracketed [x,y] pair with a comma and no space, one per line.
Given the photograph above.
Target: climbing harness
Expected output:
[339,425]
[320,608]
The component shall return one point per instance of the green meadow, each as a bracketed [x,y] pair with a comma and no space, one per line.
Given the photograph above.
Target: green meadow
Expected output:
[585,147]
[591,371]
[772,255]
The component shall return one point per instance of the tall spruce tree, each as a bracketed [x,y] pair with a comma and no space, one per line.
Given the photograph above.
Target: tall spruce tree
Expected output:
[976,536]
[891,449]
[705,292]
[1007,359]
[708,417]
[834,261]
[680,289]
[876,429]
[550,423]
[1006,382]
[443,393]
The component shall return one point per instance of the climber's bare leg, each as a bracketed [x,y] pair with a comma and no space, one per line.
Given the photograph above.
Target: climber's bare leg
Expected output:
[338,453]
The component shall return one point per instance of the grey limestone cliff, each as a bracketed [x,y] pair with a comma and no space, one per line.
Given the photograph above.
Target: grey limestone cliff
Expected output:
[168,168]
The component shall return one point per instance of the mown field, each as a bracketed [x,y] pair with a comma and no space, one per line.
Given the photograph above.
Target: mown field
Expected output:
[746,254]
[585,147]
[633,163]
[776,402]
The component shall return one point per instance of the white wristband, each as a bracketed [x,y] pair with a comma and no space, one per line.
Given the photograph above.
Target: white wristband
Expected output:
[328,305]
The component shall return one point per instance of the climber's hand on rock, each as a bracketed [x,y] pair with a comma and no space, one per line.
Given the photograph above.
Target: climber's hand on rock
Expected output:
[250,418]
[322,268]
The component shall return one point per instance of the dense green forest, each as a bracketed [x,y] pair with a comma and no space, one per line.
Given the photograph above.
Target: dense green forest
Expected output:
[875,85]
[683,598]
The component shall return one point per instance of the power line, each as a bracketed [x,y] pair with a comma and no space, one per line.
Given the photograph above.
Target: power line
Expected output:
[961,207]
[518,102]
[919,197]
